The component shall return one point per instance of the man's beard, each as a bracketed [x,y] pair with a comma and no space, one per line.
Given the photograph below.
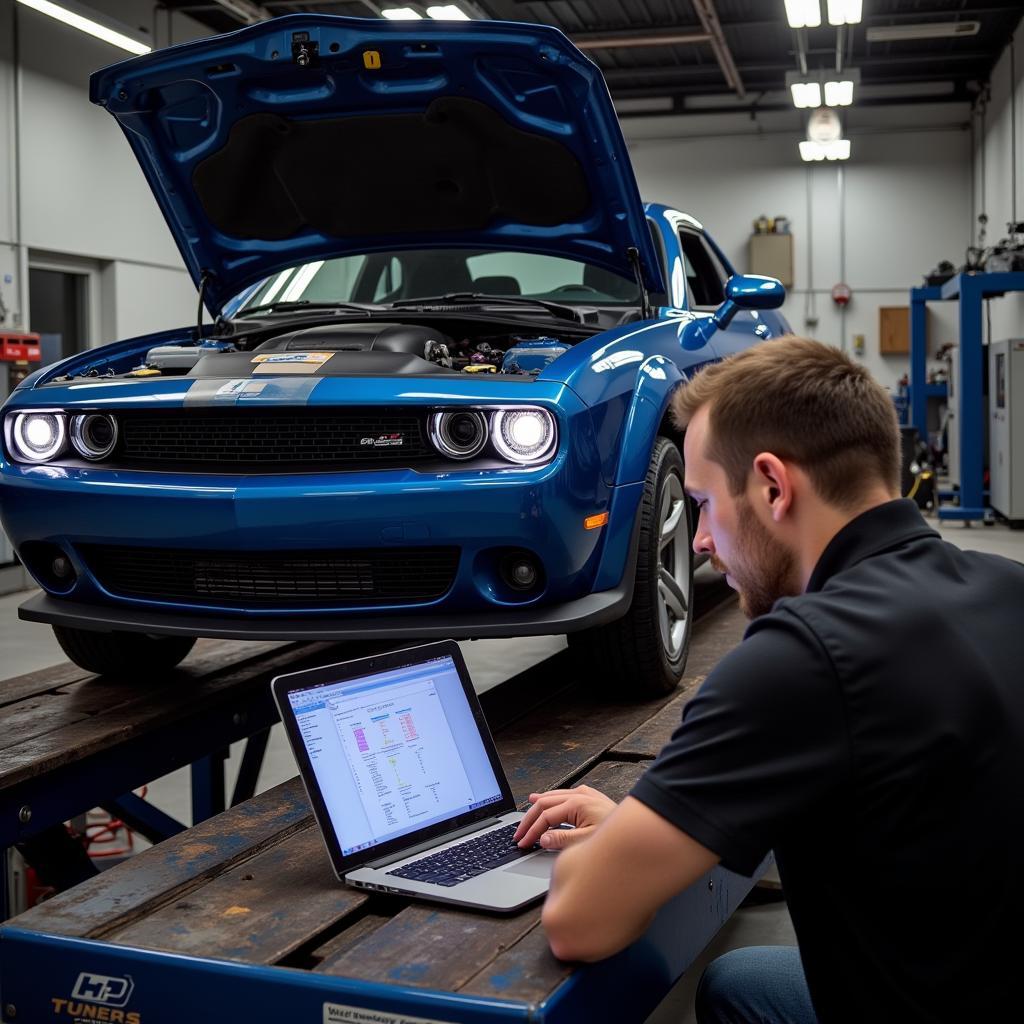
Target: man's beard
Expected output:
[763,569]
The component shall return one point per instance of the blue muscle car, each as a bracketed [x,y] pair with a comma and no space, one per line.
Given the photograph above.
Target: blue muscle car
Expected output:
[435,398]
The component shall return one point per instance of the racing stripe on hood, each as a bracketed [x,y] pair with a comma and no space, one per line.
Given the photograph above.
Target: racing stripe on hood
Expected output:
[246,390]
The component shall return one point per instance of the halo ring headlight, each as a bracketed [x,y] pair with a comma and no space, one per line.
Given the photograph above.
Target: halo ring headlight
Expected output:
[525,436]
[93,435]
[36,436]
[458,434]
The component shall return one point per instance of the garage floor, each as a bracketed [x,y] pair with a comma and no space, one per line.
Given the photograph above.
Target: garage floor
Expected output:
[26,647]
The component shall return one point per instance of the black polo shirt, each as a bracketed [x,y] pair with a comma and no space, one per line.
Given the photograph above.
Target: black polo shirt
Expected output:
[871,732]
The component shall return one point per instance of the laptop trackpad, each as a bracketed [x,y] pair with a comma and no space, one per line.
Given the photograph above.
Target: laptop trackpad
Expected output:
[539,866]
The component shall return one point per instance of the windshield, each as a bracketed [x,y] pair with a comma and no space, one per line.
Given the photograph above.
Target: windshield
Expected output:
[420,273]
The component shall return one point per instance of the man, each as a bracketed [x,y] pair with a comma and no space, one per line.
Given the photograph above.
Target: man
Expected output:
[869,728]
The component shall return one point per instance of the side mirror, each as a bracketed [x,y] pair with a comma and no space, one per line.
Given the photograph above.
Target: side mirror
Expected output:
[742,291]
[748,291]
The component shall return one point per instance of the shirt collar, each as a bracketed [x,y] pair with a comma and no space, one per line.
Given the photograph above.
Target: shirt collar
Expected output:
[879,529]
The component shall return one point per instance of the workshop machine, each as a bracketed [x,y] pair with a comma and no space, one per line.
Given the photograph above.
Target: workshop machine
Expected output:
[1006,429]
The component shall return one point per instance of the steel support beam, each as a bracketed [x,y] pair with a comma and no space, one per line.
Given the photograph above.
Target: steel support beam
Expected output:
[709,20]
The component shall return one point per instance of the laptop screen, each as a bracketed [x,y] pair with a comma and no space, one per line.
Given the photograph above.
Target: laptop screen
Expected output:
[394,752]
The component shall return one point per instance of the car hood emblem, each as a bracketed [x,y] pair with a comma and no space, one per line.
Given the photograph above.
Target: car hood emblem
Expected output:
[313,136]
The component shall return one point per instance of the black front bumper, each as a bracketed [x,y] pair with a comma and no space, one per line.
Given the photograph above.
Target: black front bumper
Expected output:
[591,610]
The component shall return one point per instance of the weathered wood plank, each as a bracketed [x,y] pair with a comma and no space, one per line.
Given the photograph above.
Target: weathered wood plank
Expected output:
[37,716]
[206,656]
[431,947]
[326,955]
[36,756]
[647,740]
[256,912]
[562,739]
[177,866]
[528,971]
[44,680]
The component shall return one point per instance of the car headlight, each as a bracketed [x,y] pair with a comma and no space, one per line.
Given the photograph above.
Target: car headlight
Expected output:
[459,434]
[36,436]
[93,434]
[523,435]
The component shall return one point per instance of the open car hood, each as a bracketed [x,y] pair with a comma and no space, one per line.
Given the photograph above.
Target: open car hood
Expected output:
[313,136]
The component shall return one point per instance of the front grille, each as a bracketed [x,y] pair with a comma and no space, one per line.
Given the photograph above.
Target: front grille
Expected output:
[283,579]
[273,439]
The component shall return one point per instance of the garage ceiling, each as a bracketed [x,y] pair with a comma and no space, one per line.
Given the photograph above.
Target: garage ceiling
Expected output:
[671,56]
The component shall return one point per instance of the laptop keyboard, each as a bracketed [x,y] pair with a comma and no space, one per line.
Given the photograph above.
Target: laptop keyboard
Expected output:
[465,861]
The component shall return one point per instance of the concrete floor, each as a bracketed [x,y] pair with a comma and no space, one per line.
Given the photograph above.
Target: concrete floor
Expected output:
[25,647]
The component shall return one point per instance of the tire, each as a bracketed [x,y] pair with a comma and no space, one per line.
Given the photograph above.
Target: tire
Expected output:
[643,654]
[122,654]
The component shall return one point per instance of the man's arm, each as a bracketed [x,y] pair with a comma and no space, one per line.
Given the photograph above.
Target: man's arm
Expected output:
[606,889]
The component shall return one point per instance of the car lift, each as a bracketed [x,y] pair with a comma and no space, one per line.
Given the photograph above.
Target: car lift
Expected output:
[971,290]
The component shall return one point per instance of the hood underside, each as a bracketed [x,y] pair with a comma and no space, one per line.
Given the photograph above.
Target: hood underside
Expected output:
[309,136]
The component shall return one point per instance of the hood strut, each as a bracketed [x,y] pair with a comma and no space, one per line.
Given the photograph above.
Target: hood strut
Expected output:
[203,281]
[633,255]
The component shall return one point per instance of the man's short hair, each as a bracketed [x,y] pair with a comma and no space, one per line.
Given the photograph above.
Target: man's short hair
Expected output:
[805,402]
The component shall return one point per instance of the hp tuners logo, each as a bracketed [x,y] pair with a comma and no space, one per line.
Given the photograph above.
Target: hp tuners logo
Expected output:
[99,988]
[98,997]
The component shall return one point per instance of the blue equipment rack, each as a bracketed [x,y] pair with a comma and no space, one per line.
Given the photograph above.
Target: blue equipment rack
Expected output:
[971,290]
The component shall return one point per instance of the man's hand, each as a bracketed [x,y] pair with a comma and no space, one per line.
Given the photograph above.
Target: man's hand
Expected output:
[583,807]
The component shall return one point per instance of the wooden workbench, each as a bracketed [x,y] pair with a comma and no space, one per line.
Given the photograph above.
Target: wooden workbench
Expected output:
[240,918]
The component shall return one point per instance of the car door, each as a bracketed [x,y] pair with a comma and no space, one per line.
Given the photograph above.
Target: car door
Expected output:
[706,273]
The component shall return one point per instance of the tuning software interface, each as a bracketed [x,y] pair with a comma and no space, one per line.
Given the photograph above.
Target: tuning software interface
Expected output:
[394,752]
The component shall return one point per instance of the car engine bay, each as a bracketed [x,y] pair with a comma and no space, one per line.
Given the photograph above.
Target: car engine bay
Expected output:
[376,348]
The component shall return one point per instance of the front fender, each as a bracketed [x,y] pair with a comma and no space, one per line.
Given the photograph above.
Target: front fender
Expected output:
[656,380]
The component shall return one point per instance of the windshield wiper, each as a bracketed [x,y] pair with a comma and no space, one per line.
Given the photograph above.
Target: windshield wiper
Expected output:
[479,299]
[303,304]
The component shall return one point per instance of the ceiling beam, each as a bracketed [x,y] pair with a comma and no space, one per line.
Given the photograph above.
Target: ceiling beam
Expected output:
[709,21]
[624,40]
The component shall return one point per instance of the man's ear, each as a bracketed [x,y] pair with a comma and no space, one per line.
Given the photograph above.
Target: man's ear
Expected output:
[772,485]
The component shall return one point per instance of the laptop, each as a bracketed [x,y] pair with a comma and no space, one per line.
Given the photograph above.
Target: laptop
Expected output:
[405,782]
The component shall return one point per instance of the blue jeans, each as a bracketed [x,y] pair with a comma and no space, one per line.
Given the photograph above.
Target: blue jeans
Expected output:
[755,985]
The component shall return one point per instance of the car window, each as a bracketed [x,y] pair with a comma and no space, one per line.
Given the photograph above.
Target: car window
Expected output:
[389,284]
[705,277]
[414,273]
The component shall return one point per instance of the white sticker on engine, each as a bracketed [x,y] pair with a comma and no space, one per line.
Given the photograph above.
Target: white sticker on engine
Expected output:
[245,386]
[293,357]
[336,1013]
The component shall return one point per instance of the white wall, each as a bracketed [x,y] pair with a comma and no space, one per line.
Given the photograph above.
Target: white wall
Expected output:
[904,193]
[73,178]
[994,178]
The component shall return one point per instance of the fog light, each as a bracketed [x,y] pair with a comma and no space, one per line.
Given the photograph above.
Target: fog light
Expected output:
[523,575]
[61,568]
[520,571]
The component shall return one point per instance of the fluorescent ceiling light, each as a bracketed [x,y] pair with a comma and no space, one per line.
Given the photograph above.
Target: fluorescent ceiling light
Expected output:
[643,104]
[838,94]
[806,94]
[87,25]
[448,12]
[844,12]
[803,13]
[837,150]
[401,14]
[925,30]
